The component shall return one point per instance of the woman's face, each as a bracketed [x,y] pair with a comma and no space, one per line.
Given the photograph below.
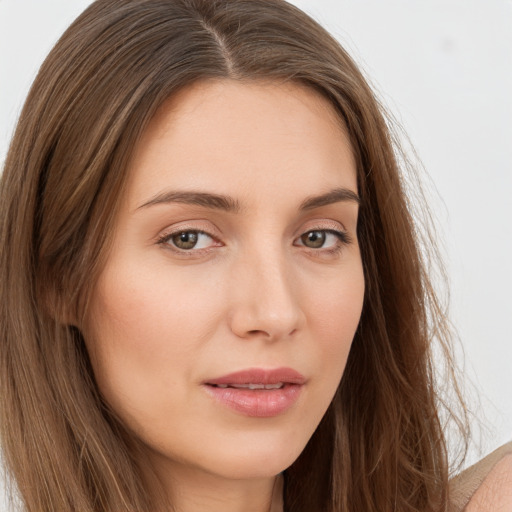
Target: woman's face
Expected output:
[221,323]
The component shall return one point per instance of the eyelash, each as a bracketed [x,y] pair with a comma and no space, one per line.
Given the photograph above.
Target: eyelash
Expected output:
[343,237]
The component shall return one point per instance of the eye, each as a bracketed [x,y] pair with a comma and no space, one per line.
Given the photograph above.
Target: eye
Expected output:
[323,239]
[188,239]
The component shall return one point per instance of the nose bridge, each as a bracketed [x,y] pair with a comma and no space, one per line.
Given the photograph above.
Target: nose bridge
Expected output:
[265,301]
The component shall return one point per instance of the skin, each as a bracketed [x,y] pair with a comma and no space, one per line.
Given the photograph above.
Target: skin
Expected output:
[495,492]
[253,292]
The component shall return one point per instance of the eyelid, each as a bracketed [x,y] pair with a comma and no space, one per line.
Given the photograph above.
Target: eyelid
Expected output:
[199,225]
[322,225]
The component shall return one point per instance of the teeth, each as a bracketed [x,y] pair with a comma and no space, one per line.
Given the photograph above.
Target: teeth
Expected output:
[278,385]
[248,386]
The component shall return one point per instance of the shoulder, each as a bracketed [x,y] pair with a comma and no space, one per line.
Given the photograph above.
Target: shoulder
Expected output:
[495,492]
[486,486]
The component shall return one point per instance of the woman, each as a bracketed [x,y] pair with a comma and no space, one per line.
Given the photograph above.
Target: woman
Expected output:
[213,296]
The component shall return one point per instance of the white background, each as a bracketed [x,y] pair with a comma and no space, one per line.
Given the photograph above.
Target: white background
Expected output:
[444,69]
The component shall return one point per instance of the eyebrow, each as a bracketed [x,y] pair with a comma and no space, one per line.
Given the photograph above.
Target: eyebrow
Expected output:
[205,199]
[336,195]
[228,204]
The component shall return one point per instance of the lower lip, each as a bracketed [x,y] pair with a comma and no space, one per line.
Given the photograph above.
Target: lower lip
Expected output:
[258,403]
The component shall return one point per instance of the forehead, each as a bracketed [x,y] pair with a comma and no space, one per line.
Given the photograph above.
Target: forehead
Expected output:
[236,137]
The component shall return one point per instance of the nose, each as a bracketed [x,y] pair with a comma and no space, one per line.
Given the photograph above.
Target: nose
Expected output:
[265,300]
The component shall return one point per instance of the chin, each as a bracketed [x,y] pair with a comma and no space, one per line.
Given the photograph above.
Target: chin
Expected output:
[249,455]
[257,464]
[267,456]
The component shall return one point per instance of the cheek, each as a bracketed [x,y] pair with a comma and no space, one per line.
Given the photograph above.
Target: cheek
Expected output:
[144,335]
[334,311]
[142,307]
[333,318]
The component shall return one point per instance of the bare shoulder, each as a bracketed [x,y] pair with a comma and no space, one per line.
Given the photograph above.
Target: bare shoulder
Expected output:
[495,492]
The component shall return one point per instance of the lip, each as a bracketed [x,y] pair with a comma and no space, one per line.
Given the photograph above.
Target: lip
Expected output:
[260,403]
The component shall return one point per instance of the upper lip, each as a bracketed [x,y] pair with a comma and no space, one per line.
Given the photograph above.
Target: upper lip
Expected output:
[260,376]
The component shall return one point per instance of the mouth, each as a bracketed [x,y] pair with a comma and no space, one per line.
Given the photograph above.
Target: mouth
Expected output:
[279,385]
[257,392]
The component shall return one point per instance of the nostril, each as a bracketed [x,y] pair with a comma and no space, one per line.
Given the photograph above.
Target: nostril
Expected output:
[267,334]
[258,332]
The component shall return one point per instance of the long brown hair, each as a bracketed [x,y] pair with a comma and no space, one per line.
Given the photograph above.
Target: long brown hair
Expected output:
[381,444]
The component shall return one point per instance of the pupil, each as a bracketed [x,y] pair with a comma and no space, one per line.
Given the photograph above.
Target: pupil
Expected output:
[314,239]
[185,240]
